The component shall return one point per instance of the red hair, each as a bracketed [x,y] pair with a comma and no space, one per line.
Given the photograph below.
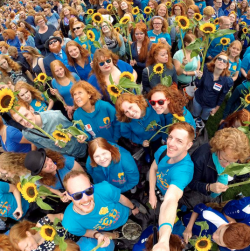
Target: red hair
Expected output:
[144,48]
[183,126]
[155,48]
[102,143]
[182,9]
[10,33]
[25,32]
[242,115]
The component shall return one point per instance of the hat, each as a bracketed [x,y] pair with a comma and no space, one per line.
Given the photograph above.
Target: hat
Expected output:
[52,38]
[35,160]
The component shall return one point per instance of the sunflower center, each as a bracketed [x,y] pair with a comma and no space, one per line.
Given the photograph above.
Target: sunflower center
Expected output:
[208,29]
[48,232]
[114,89]
[158,68]
[248,98]
[5,101]
[183,22]
[97,18]
[31,192]
[203,244]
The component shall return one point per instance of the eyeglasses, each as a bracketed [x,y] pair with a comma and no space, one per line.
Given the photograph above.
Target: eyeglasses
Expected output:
[77,196]
[222,59]
[157,23]
[222,159]
[160,102]
[77,28]
[104,26]
[177,9]
[108,61]
[52,42]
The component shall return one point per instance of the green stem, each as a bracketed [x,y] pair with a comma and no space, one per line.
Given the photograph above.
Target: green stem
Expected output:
[240,184]
[184,52]
[98,246]
[159,131]
[125,90]
[64,104]
[205,53]
[89,49]
[238,108]
[35,126]
[129,44]
[49,195]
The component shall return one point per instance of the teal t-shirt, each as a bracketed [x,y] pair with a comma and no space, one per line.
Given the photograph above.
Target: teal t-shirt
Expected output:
[8,203]
[191,66]
[108,213]
[39,106]
[234,66]
[179,174]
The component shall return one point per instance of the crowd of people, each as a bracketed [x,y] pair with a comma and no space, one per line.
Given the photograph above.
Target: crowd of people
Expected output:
[109,114]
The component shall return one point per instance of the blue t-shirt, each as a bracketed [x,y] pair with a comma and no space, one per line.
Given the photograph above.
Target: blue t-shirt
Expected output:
[244,19]
[108,214]
[239,210]
[89,243]
[12,143]
[87,44]
[64,91]
[155,37]
[179,174]
[234,66]
[39,106]
[202,5]
[83,73]
[8,203]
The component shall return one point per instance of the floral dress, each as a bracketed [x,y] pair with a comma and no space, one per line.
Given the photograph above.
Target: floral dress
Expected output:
[50,245]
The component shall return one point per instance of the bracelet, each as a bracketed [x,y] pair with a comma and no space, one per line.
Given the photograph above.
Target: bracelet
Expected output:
[166,223]
[133,207]
[95,234]
[208,187]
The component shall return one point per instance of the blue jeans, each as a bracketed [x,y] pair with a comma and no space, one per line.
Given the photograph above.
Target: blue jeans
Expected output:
[198,110]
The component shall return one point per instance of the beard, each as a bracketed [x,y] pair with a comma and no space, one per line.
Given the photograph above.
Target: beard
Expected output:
[56,50]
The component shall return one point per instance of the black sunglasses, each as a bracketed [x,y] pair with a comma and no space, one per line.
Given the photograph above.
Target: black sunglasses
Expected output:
[52,42]
[77,28]
[108,61]
[222,59]
[160,102]
[77,196]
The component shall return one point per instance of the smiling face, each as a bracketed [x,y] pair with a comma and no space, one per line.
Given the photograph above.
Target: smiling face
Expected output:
[19,34]
[131,110]
[29,243]
[22,25]
[218,235]
[66,12]
[116,5]
[232,6]
[29,114]
[59,71]
[178,143]
[221,62]
[74,51]
[190,13]
[226,157]
[124,5]
[162,11]
[49,166]
[102,157]
[232,18]
[77,184]
[234,51]
[157,24]
[25,95]
[78,29]
[107,66]
[162,56]
[81,97]
[105,27]
[160,109]
[13,27]
[4,64]
[151,5]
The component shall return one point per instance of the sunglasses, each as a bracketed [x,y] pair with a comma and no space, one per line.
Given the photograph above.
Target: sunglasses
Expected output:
[52,42]
[160,102]
[77,28]
[77,196]
[222,59]
[108,61]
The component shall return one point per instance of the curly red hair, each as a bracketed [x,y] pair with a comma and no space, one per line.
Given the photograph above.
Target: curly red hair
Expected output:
[211,65]
[24,31]
[182,9]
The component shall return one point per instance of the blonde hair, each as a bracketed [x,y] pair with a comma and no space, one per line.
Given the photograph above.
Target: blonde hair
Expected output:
[233,139]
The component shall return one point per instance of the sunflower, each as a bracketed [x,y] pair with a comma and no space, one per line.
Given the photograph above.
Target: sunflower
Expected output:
[48,232]
[35,80]
[21,48]
[208,28]
[216,21]
[97,18]
[203,244]
[91,35]
[147,10]
[243,23]
[127,74]
[168,4]
[84,46]
[244,30]
[135,10]
[90,11]
[7,99]
[224,41]
[110,7]
[19,187]
[42,77]
[29,192]
[117,29]
[61,136]
[113,91]
[158,68]
[247,98]
[177,18]
[197,16]
[180,118]
[124,20]
[183,22]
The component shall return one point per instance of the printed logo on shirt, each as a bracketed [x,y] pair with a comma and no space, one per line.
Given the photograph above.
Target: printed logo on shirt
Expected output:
[217,87]
[120,175]
[38,103]
[108,220]
[107,123]
[4,208]
[88,128]
[104,210]
[106,120]
[152,39]
[162,181]
[234,67]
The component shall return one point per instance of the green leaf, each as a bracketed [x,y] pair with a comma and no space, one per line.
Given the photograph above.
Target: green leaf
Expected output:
[57,239]
[192,242]
[23,181]
[111,80]
[126,83]
[237,169]
[247,122]
[203,225]
[56,221]
[151,75]
[43,189]
[195,45]
[221,33]
[61,144]
[167,81]
[97,44]
[214,247]
[46,95]
[74,131]
[247,38]
[33,179]
[195,53]
[151,125]
[244,129]
[80,123]
[113,99]
[36,228]
[62,244]
[59,127]
[43,205]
